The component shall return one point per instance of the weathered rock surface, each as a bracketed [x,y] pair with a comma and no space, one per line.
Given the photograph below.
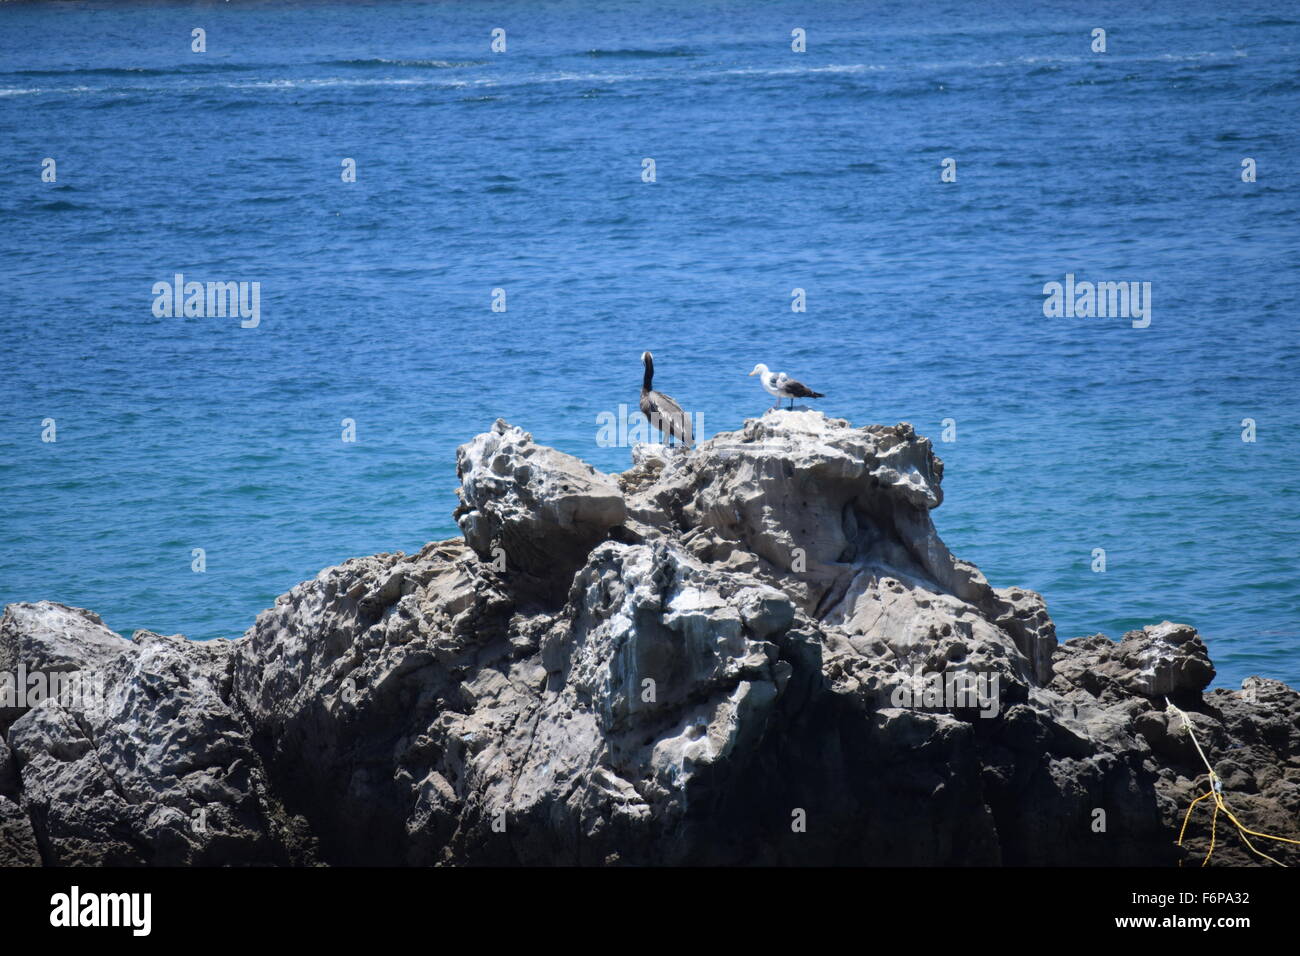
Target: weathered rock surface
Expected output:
[541,507]
[145,761]
[758,651]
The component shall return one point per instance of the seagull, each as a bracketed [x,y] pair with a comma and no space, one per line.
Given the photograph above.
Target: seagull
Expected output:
[782,385]
[664,414]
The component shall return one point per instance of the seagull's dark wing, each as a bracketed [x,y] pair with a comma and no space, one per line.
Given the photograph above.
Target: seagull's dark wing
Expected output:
[799,389]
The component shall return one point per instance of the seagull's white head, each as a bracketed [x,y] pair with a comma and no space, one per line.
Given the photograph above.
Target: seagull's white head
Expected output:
[759,369]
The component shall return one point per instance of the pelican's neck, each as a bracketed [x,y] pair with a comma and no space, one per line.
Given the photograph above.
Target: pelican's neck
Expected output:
[649,375]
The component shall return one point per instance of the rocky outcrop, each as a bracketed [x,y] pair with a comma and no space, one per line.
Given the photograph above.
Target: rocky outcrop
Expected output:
[755,651]
[543,509]
[139,757]
[17,839]
[1252,736]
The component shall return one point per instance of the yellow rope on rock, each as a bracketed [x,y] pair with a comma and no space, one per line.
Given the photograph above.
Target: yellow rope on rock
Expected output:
[1188,816]
[1220,804]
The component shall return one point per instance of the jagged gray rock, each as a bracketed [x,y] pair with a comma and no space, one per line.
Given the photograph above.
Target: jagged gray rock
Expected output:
[839,517]
[757,651]
[9,780]
[143,762]
[1252,735]
[544,509]
[17,839]
[51,639]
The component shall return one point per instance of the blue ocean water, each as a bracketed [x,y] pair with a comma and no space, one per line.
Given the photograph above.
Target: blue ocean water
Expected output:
[774,170]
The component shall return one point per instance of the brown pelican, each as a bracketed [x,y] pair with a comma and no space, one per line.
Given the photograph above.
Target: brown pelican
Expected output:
[664,414]
[782,385]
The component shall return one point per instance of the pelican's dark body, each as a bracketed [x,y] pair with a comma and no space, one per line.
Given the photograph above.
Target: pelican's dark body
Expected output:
[664,414]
